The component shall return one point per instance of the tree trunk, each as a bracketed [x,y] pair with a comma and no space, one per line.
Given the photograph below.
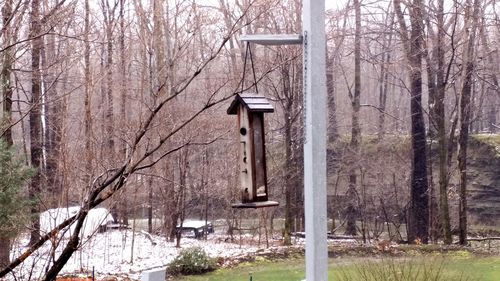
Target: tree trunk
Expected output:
[5,75]
[109,122]
[493,92]
[440,118]
[288,170]
[332,106]
[69,249]
[109,92]
[150,205]
[53,118]
[462,152]
[6,114]
[431,88]
[183,165]
[419,184]
[384,80]
[162,77]
[87,99]
[437,126]
[124,208]
[465,113]
[224,8]
[332,133]
[418,218]
[35,121]
[352,210]
[4,251]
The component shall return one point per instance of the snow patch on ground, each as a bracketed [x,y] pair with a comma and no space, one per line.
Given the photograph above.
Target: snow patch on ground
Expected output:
[112,253]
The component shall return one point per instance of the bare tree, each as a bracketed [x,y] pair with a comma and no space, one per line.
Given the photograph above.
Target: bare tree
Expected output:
[439,117]
[87,99]
[35,119]
[494,71]
[437,83]
[354,146]
[383,79]
[143,154]
[471,23]
[419,198]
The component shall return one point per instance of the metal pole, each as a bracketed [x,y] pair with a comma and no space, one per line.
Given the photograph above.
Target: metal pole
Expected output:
[315,102]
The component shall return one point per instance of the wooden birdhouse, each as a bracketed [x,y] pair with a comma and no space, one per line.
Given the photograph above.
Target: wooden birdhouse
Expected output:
[250,109]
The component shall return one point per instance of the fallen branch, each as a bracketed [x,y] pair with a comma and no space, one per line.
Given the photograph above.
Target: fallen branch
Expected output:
[329,236]
[481,239]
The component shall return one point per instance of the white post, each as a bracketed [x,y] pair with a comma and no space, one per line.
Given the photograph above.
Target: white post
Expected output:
[315,102]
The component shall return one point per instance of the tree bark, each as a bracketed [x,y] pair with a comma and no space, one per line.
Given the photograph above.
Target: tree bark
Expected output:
[333,132]
[6,114]
[4,251]
[109,82]
[465,113]
[6,70]
[150,205]
[87,99]
[289,171]
[158,48]
[437,125]
[35,120]
[440,117]
[70,248]
[108,12]
[53,118]
[492,58]
[418,218]
[384,80]
[352,209]
[124,210]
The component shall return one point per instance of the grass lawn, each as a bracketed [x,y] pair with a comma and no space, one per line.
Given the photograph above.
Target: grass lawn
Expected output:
[471,268]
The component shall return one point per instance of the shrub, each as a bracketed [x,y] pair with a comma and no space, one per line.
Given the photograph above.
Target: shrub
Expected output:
[13,204]
[192,261]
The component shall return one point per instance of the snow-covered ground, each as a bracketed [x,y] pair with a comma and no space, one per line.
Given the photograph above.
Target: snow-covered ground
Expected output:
[123,252]
[110,253]
[116,252]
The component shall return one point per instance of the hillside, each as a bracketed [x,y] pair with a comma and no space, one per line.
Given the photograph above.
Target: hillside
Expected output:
[384,175]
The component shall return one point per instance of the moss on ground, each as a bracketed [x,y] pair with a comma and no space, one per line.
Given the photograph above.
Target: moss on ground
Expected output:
[491,140]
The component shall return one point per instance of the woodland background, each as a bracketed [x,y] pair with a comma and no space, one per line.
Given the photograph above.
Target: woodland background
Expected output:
[122,103]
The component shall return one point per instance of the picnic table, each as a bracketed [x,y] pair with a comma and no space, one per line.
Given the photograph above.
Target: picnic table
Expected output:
[196,228]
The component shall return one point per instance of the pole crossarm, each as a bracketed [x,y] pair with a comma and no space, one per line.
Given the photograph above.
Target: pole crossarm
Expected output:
[272,39]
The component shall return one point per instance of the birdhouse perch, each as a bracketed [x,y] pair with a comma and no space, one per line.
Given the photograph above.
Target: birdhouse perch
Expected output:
[250,109]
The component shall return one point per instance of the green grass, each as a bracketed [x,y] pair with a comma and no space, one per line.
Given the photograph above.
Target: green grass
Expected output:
[261,270]
[454,267]
[482,269]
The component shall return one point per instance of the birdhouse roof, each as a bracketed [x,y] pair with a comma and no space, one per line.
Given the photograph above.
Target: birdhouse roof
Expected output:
[252,101]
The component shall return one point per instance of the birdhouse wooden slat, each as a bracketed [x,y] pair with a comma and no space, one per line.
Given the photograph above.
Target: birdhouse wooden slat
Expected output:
[250,109]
